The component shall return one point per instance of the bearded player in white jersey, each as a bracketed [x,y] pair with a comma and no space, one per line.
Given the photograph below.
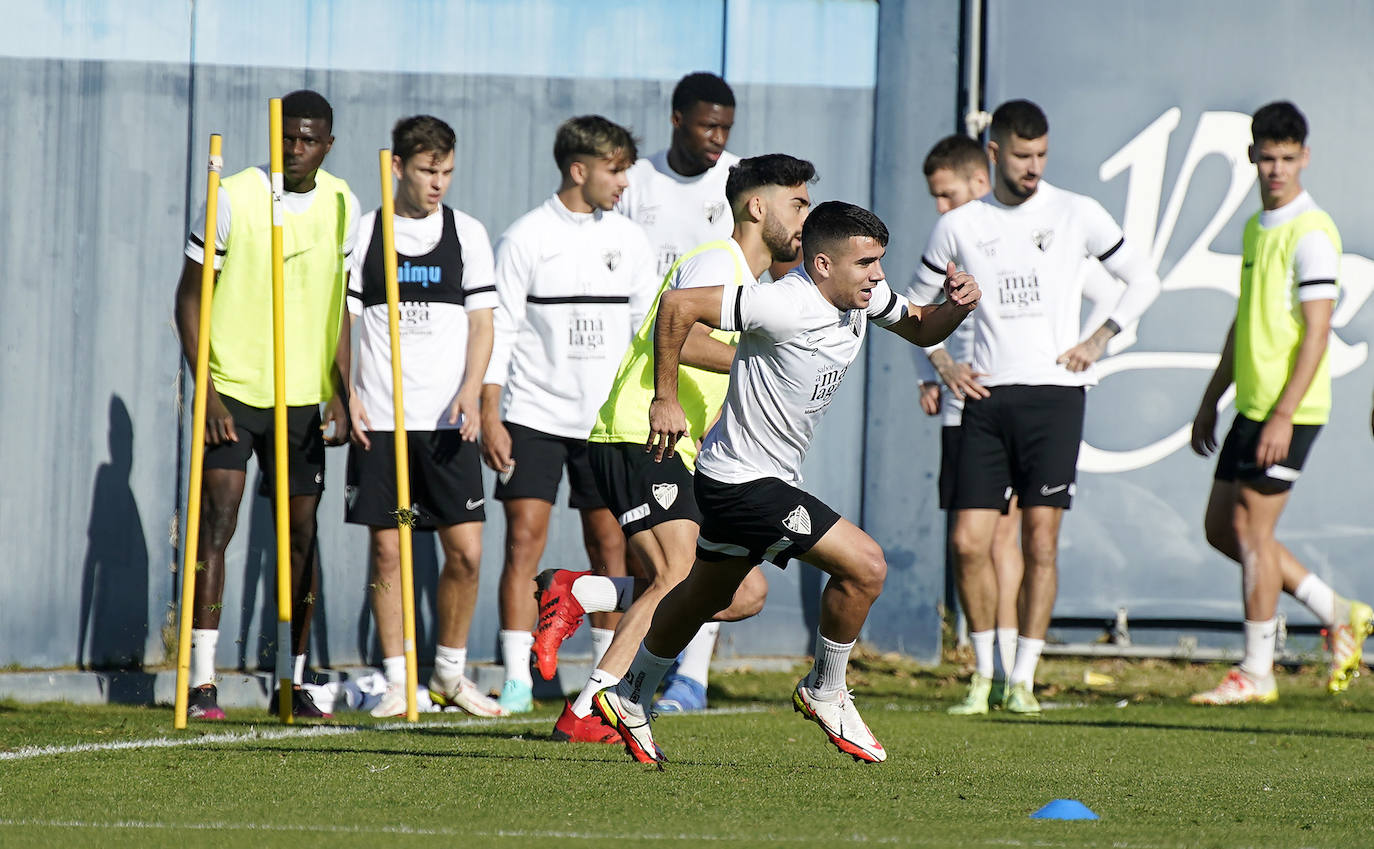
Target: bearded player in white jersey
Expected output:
[798,337]
[678,196]
[1027,242]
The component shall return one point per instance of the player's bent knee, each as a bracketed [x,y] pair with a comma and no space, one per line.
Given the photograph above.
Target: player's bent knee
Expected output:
[748,600]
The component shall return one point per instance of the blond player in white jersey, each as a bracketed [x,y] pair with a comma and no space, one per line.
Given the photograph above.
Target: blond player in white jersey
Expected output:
[575,279]
[798,337]
[447,294]
[678,196]
[1026,243]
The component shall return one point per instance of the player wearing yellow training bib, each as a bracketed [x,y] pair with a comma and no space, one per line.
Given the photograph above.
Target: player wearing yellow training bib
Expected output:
[1276,354]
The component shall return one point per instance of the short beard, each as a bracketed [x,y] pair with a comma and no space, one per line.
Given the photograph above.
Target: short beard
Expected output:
[1016,189]
[778,241]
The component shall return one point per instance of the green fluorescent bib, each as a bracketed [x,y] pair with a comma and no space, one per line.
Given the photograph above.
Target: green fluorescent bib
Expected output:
[241,323]
[625,415]
[1269,321]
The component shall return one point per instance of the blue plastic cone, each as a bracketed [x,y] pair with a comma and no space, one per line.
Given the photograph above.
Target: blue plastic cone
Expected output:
[1065,809]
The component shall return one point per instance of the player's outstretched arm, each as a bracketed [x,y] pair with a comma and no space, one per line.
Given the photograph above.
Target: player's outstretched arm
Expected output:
[1204,439]
[678,311]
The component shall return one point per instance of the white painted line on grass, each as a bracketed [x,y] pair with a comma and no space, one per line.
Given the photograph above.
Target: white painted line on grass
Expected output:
[252,735]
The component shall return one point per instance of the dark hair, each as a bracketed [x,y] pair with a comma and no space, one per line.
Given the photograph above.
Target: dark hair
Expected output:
[836,221]
[307,104]
[959,153]
[1020,117]
[701,87]
[593,136]
[421,134]
[1279,121]
[771,169]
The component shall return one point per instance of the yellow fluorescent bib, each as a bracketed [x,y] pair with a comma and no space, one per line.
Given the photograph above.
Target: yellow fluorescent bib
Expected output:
[241,323]
[1269,321]
[625,415]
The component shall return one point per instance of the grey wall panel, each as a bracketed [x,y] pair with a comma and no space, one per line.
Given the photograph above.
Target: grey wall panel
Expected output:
[505,127]
[916,103]
[1149,112]
[95,175]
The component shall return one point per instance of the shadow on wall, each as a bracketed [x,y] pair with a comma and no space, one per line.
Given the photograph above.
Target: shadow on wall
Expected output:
[260,579]
[113,624]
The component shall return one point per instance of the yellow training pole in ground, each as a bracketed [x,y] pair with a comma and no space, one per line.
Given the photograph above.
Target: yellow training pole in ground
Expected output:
[281,491]
[404,517]
[189,557]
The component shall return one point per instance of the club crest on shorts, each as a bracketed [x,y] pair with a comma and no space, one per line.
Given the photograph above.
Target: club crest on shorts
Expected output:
[611,258]
[665,494]
[798,521]
[713,210]
[1042,239]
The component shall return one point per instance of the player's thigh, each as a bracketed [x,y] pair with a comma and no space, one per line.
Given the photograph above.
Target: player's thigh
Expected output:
[539,459]
[446,479]
[640,492]
[304,454]
[848,553]
[667,550]
[983,471]
[370,482]
[764,519]
[951,438]
[1047,430]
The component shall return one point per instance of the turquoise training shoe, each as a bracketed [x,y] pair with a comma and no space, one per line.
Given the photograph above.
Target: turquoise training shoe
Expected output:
[516,697]
[976,702]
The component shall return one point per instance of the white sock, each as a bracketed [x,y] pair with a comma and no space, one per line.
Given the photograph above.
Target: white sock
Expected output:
[1319,598]
[826,680]
[1259,649]
[599,680]
[601,640]
[1027,657]
[600,594]
[1005,657]
[450,662]
[515,654]
[983,651]
[297,669]
[203,644]
[394,668]
[695,660]
[646,672]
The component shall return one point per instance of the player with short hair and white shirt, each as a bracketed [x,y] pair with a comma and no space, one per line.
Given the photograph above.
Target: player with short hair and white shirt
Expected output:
[678,196]
[575,279]
[1026,243]
[798,337]
[655,501]
[447,294]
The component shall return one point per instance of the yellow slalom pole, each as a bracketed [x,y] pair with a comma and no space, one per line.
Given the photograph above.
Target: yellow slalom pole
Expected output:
[404,516]
[189,556]
[281,494]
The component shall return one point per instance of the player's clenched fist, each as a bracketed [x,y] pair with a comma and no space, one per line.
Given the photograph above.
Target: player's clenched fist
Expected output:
[961,288]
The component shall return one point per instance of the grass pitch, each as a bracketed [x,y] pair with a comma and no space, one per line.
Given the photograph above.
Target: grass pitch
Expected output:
[1160,773]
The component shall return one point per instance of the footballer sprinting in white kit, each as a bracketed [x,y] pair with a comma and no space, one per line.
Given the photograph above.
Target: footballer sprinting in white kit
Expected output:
[447,294]
[575,279]
[1026,243]
[678,196]
[656,501]
[798,337]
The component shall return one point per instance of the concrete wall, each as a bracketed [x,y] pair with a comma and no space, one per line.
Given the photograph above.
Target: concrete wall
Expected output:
[104,137]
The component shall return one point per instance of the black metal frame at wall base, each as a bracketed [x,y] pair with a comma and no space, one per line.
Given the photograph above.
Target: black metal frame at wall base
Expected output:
[1116,638]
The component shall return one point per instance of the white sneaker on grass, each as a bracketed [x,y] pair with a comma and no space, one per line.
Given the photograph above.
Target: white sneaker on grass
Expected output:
[841,723]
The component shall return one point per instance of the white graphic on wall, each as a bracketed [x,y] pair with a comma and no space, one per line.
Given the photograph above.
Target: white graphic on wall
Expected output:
[1226,134]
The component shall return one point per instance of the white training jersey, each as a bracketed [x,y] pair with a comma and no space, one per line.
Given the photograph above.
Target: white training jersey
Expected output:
[1028,261]
[295,203]
[573,289]
[1315,257]
[678,213]
[794,349]
[433,315]
[1099,287]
